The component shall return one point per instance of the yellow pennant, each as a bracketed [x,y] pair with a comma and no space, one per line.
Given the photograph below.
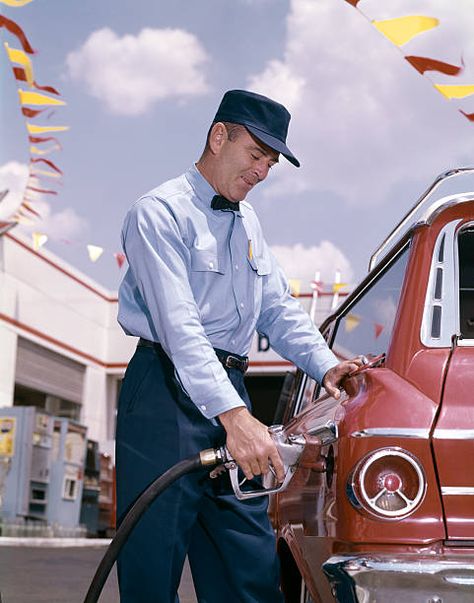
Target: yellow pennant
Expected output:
[35,98]
[16,3]
[295,286]
[36,151]
[39,240]
[453,91]
[402,29]
[94,252]
[46,173]
[32,129]
[352,322]
[338,286]
[20,57]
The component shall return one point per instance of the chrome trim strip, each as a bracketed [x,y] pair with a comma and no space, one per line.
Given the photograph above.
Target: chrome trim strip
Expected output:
[405,220]
[391,432]
[465,343]
[457,490]
[454,434]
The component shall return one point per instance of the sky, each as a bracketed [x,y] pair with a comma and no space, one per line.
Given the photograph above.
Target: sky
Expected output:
[142,81]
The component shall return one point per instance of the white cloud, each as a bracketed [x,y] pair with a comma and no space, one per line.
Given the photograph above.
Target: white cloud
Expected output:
[301,262]
[363,119]
[13,177]
[130,73]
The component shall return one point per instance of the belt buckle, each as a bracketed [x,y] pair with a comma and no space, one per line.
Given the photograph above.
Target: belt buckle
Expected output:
[233,362]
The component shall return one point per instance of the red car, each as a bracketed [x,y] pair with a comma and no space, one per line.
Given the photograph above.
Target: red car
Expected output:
[381,506]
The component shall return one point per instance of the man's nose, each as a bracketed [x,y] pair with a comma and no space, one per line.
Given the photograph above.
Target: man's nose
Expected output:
[261,169]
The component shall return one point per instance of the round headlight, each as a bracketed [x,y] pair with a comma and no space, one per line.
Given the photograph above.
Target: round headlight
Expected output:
[388,483]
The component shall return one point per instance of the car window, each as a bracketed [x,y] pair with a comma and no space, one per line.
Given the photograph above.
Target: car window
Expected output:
[366,326]
[466,283]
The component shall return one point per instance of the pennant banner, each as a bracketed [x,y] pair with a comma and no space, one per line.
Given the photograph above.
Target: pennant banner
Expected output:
[378,328]
[403,29]
[35,151]
[16,3]
[16,30]
[120,257]
[20,57]
[338,286]
[470,116]
[295,286]
[453,91]
[95,252]
[352,322]
[35,98]
[48,162]
[422,64]
[38,240]
[32,129]
[20,75]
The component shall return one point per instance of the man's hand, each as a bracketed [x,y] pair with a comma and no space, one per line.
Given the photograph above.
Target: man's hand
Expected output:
[250,444]
[335,376]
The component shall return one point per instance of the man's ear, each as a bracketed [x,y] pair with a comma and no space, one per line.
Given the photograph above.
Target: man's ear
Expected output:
[217,137]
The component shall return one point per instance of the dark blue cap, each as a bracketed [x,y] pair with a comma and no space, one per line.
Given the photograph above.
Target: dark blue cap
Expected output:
[263,117]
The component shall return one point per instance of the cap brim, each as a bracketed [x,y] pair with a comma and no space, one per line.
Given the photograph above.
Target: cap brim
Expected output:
[274,143]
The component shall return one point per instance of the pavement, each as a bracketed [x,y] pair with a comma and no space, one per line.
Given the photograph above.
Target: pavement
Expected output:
[59,570]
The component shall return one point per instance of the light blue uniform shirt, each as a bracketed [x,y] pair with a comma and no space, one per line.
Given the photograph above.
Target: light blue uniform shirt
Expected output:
[200,278]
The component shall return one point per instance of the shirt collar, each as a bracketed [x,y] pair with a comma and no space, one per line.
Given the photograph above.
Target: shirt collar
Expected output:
[203,190]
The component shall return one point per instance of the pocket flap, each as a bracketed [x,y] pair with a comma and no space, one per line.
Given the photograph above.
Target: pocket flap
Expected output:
[205,261]
[261,264]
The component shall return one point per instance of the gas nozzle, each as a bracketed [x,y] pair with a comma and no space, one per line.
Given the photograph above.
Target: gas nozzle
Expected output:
[289,447]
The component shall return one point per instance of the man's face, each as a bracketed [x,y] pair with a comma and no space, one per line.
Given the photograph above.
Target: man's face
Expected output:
[241,164]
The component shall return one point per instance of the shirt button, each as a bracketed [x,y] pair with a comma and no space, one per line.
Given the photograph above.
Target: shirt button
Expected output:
[211,265]
[203,407]
[241,304]
[232,341]
[236,266]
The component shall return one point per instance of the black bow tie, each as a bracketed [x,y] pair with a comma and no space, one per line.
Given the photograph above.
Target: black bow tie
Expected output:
[220,202]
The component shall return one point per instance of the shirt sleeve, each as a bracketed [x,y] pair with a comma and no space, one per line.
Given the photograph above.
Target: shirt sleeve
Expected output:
[159,259]
[289,328]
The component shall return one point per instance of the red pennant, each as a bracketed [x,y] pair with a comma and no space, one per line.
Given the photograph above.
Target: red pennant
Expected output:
[40,139]
[422,64]
[378,329]
[31,112]
[20,75]
[470,116]
[120,257]
[41,190]
[31,210]
[47,161]
[18,32]
[353,2]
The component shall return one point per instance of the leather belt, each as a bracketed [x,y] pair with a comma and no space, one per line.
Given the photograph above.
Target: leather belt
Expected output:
[228,360]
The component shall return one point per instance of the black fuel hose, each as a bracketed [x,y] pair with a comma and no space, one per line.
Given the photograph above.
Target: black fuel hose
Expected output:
[204,458]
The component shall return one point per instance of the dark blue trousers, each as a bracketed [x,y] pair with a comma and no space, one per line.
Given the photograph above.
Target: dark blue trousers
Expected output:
[230,544]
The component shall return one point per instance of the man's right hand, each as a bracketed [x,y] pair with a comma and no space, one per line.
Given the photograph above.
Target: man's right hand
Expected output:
[250,444]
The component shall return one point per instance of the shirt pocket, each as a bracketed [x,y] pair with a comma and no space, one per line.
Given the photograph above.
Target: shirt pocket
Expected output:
[206,261]
[262,264]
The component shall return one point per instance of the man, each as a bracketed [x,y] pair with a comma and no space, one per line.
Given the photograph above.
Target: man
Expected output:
[201,280]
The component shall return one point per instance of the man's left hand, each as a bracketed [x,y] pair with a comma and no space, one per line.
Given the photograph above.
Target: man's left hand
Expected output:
[335,376]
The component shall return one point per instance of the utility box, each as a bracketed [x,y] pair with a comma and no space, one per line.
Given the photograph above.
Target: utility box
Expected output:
[67,473]
[91,490]
[25,450]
